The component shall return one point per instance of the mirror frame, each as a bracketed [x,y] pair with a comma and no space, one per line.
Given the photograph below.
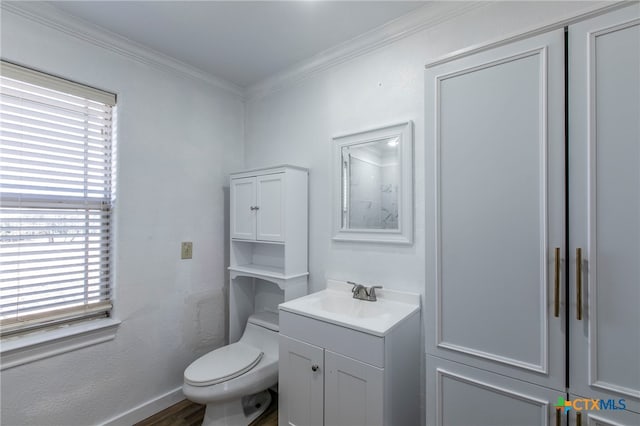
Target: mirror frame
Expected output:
[404,233]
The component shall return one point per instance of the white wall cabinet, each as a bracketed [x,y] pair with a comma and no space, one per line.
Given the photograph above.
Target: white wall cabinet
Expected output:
[502,279]
[268,230]
[335,376]
[258,209]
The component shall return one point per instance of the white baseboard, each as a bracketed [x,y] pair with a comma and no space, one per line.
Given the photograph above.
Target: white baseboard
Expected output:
[147,409]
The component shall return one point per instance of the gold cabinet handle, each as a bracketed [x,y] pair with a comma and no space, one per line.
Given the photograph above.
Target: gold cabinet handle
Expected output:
[579,284]
[578,414]
[556,287]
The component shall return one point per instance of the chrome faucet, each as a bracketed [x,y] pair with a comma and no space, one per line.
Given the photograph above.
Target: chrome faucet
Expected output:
[363,293]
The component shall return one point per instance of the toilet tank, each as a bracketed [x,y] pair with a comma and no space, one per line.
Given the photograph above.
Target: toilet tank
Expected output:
[262,333]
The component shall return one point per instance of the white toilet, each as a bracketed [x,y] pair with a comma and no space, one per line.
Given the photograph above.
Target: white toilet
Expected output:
[233,381]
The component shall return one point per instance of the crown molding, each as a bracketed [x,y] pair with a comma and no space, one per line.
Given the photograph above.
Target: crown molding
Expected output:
[52,17]
[430,15]
[591,9]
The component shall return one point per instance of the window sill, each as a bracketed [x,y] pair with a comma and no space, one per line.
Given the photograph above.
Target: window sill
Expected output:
[46,344]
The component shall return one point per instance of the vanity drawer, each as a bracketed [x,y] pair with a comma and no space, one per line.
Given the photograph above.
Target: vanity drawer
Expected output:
[355,344]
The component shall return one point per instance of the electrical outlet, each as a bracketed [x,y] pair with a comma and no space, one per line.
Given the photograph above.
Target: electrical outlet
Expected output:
[186,251]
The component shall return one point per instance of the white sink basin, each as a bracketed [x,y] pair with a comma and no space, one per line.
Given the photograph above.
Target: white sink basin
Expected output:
[336,305]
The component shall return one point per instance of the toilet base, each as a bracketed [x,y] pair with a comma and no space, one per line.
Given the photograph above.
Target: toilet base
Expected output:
[237,412]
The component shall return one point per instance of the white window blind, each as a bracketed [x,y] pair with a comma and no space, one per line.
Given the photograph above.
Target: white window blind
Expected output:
[56,159]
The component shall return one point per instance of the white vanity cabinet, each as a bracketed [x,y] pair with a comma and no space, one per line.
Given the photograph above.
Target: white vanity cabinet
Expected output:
[334,375]
[352,390]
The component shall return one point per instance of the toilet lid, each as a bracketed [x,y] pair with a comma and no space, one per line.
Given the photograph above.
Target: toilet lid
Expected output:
[222,364]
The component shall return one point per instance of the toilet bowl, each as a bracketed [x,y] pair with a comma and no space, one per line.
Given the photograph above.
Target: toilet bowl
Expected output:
[233,380]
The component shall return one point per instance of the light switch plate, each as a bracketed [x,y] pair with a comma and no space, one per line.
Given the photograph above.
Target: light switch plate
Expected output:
[186,251]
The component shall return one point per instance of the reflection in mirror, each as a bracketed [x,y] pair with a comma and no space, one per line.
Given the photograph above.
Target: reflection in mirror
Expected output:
[370,177]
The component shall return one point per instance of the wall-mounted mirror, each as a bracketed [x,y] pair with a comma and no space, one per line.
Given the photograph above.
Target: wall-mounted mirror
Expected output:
[373,185]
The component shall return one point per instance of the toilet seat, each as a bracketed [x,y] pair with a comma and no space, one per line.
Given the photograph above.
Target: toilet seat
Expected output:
[222,364]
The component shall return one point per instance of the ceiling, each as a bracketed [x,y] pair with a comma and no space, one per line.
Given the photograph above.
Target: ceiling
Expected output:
[242,42]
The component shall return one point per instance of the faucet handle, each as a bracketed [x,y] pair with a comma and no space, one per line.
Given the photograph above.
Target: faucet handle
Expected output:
[372,292]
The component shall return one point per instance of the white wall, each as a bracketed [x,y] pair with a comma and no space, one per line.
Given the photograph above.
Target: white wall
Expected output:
[295,125]
[177,140]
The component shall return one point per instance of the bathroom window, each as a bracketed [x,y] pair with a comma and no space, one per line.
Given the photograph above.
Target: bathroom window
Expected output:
[57,192]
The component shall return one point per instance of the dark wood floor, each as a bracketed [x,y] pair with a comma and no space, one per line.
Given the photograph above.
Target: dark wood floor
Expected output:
[187,413]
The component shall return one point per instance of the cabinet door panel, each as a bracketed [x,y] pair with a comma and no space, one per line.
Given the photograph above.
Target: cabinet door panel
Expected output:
[270,201]
[605,205]
[353,392]
[497,209]
[459,395]
[300,393]
[243,220]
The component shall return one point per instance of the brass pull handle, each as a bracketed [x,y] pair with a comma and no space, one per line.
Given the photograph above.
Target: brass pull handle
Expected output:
[558,416]
[578,414]
[579,284]
[556,287]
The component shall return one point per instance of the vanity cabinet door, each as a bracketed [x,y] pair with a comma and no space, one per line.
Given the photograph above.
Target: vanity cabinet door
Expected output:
[353,392]
[270,203]
[300,390]
[243,218]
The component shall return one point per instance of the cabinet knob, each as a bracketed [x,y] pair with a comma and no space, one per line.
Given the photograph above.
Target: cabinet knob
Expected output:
[254,208]
[314,367]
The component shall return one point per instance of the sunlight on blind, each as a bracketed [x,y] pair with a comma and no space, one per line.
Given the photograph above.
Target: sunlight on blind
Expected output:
[56,200]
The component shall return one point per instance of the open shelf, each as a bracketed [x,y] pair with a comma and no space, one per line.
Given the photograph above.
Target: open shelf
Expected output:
[240,240]
[267,258]
[270,273]
[265,270]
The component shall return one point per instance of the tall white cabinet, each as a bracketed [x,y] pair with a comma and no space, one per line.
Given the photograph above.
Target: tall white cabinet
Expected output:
[269,240]
[604,211]
[501,267]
